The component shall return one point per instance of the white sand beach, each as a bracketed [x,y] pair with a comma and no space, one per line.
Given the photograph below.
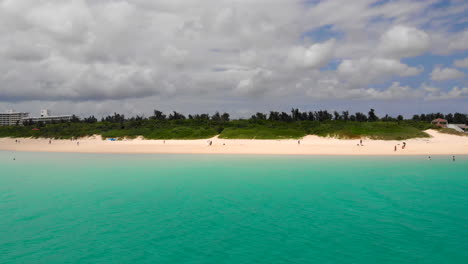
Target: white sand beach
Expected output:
[438,144]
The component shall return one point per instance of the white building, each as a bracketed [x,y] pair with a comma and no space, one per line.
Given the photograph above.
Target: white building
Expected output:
[47,117]
[45,112]
[11,118]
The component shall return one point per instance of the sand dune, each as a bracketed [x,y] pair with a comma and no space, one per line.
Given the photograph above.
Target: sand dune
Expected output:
[438,144]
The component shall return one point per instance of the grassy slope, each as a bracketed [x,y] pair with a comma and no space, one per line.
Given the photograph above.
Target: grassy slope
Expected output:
[237,129]
[339,129]
[262,133]
[452,132]
[373,130]
[147,129]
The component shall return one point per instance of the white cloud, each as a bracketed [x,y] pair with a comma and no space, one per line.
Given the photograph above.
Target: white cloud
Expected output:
[79,50]
[174,55]
[395,91]
[255,83]
[443,74]
[367,70]
[330,88]
[448,43]
[454,93]
[463,63]
[402,41]
[315,56]
[429,89]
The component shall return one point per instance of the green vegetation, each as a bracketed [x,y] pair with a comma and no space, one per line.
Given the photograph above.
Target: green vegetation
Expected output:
[149,129]
[262,129]
[275,125]
[452,132]
[374,130]
[333,128]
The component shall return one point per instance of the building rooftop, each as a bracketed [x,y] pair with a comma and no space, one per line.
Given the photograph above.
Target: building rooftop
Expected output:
[11,111]
[439,120]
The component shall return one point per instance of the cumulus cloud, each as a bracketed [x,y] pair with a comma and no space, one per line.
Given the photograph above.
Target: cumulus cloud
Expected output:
[443,74]
[314,56]
[446,43]
[255,83]
[454,93]
[402,41]
[395,91]
[461,63]
[368,70]
[196,50]
[328,88]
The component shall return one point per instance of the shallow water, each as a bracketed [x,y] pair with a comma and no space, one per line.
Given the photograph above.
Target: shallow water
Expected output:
[97,208]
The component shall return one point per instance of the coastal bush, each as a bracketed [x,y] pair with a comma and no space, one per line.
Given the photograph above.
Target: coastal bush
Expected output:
[373,130]
[204,127]
[452,131]
[262,133]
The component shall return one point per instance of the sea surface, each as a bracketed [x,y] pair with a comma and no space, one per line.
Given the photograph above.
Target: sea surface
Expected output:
[103,208]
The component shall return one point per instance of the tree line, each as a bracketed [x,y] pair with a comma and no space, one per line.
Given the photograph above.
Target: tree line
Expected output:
[271,125]
[294,115]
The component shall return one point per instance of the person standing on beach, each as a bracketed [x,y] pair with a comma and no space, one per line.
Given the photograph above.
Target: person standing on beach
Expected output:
[404,145]
[395,148]
[360,142]
[298,142]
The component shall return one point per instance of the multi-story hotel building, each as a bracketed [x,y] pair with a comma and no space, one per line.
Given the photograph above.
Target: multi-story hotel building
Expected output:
[11,118]
[47,117]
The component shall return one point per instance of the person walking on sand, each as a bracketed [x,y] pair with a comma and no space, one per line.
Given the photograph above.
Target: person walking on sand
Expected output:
[50,141]
[298,142]
[404,145]
[360,142]
[395,148]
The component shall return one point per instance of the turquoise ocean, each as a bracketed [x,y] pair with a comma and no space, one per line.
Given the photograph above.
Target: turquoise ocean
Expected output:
[111,208]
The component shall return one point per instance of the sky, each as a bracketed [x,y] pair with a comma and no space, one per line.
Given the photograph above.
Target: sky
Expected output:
[97,57]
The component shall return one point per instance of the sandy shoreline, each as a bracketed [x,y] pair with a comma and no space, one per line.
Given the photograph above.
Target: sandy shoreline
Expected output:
[438,144]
